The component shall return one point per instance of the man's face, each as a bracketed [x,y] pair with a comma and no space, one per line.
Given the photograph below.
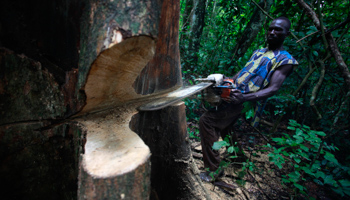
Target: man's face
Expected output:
[277,32]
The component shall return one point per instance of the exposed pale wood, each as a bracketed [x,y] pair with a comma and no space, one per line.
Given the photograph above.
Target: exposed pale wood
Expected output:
[112,148]
[128,52]
[116,162]
[109,82]
[115,55]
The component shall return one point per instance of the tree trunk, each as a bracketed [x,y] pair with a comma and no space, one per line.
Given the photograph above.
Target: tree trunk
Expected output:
[174,174]
[195,33]
[186,19]
[65,119]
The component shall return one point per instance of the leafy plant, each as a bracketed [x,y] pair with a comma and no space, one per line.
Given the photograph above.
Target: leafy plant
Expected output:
[232,151]
[225,22]
[301,151]
[192,104]
[193,134]
[248,109]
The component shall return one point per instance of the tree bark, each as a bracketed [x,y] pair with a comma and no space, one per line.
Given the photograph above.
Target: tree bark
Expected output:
[195,33]
[119,66]
[174,174]
[72,118]
[163,72]
[186,16]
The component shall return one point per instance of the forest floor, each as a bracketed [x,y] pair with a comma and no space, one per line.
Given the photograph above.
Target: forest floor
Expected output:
[262,182]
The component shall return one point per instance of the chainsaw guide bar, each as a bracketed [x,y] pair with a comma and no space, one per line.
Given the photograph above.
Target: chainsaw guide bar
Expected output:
[174,97]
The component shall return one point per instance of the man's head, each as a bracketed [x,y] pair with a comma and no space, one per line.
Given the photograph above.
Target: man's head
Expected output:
[277,32]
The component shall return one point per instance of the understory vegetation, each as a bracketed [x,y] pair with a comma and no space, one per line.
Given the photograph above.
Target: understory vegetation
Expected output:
[305,126]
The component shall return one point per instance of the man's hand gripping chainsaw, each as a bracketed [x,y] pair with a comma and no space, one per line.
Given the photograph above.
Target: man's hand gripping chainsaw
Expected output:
[221,88]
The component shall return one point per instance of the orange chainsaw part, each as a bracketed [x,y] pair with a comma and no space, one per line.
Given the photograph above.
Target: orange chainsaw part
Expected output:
[226,91]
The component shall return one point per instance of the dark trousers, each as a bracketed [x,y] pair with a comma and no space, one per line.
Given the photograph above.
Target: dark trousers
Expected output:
[212,124]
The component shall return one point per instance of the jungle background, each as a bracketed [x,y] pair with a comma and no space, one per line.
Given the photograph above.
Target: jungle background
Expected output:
[304,130]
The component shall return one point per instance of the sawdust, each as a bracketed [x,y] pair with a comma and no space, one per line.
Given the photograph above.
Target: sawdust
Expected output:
[112,148]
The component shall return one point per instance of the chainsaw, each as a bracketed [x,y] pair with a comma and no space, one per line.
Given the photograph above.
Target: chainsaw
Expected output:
[213,88]
[221,88]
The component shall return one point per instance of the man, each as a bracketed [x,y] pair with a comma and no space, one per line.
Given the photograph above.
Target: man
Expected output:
[261,78]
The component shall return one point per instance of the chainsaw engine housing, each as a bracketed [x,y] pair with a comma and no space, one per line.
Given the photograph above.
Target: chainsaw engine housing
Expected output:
[214,94]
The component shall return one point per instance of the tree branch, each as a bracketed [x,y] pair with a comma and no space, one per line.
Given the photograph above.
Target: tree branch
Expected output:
[316,89]
[332,44]
[307,36]
[267,14]
[321,24]
[311,13]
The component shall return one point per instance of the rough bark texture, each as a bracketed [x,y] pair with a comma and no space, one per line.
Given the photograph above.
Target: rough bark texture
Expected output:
[35,163]
[165,132]
[39,164]
[37,75]
[46,31]
[23,83]
[122,186]
[74,75]
[112,56]
[164,70]
[196,30]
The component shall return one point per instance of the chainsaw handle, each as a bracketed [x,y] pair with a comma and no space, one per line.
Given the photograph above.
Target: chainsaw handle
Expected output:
[229,82]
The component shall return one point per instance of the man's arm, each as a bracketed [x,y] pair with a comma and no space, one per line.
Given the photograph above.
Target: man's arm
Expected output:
[276,82]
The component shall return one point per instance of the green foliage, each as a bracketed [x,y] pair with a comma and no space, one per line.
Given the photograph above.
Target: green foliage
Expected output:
[192,104]
[282,102]
[225,22]
[232,150]
[248,109]
[223,25]
[301,151]
[193,134]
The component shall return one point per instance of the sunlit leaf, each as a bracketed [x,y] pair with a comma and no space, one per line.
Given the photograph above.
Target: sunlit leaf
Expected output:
[230,149]
[219,144]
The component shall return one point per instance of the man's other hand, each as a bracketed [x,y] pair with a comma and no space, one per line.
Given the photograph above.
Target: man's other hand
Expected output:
[236,97]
